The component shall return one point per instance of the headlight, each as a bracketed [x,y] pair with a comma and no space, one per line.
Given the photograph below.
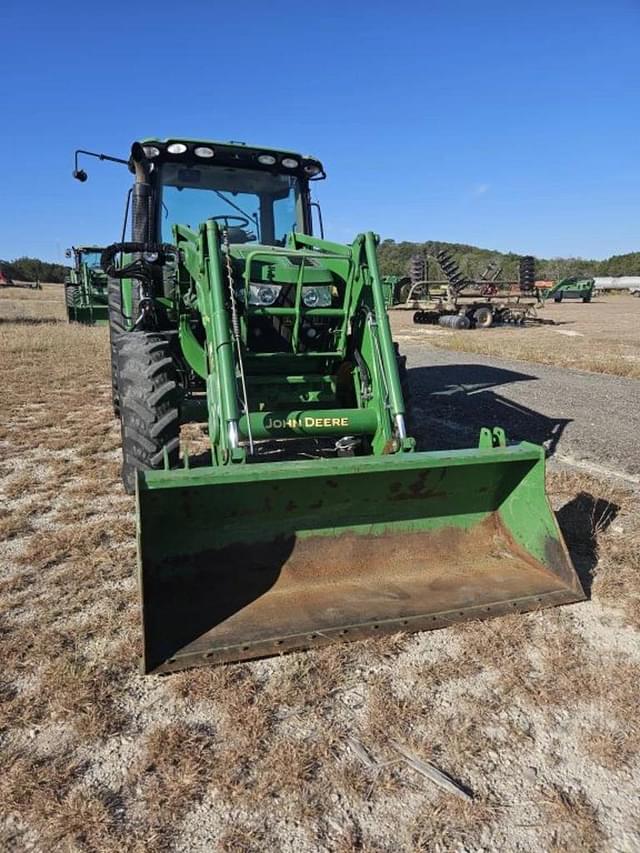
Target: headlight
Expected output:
[266,159]
[316,297]
[151,151]
[263,294]
[176,148]
[312,169]
[204,151]
[289,163]
[150,257]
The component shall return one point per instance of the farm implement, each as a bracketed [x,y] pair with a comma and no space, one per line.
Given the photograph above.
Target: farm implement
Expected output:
[85,287]
[7,281]
[458,302]
[310,516]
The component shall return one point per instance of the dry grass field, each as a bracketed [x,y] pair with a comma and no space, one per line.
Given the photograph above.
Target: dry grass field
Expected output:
[535,717]
[601,336]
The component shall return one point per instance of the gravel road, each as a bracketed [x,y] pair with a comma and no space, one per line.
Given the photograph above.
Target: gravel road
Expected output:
[584,419]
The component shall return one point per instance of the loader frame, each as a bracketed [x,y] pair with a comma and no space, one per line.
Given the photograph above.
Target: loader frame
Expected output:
[278,376]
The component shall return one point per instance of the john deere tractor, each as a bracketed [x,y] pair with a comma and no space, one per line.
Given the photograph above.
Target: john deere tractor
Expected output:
[85,287]
[311,516]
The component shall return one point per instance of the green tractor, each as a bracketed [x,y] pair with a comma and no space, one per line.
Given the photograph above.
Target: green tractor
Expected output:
[309,516]
[85,287]
[570,288]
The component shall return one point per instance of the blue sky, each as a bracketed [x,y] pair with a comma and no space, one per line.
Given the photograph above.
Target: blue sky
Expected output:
[512,126]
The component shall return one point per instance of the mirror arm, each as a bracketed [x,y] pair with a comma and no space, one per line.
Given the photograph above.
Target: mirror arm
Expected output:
[80,174]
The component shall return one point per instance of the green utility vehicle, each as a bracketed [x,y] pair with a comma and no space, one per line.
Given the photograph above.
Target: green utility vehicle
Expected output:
[85,287]
[570,288]
[310,517]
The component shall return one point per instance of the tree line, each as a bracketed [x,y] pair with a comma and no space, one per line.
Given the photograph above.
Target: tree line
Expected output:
[32,269]
[473,261]
[394,260]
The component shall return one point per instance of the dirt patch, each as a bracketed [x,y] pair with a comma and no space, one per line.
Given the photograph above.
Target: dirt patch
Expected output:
[600,336]
[534,716]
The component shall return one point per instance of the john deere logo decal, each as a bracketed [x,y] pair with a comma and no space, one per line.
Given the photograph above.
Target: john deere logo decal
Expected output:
[308,422]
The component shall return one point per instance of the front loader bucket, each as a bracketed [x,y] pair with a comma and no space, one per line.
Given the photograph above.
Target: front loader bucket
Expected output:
[253,560]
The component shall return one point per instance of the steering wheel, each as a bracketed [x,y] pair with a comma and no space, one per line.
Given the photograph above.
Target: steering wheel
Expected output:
[241,221]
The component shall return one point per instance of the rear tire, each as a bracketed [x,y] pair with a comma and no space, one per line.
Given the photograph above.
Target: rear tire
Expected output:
[404,292]
[149,413]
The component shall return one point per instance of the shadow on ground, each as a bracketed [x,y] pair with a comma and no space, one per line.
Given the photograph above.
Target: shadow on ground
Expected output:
[581,520]
[30,321]
[452,402]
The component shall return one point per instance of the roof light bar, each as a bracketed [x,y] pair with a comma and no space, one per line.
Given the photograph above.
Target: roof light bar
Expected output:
[176,148]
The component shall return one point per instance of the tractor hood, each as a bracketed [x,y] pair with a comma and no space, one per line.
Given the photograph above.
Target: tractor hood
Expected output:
[276,265]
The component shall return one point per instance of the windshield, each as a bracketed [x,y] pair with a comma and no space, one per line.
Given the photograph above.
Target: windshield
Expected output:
[92,259]
[255,207]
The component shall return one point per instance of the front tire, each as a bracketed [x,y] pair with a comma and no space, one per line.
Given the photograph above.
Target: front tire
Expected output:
[117,327]
[72,295]
[403,373]
[149,413]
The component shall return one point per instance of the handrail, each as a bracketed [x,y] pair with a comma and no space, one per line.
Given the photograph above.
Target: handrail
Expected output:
[298,310]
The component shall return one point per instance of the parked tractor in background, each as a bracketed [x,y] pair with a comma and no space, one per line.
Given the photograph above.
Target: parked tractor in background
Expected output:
[311,517]
[571,288]
[392,286]
[85,287]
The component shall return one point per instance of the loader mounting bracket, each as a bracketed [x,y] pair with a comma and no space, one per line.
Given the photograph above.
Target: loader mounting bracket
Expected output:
[492,437]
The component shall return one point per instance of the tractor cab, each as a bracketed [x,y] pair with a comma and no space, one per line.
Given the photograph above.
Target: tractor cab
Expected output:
[256,195]
[259,199]
[88,255]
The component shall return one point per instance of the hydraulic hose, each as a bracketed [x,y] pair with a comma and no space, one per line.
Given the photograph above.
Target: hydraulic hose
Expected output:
[137,267]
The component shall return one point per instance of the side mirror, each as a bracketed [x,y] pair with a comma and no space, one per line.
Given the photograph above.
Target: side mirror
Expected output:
[315,206]
[80,174]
